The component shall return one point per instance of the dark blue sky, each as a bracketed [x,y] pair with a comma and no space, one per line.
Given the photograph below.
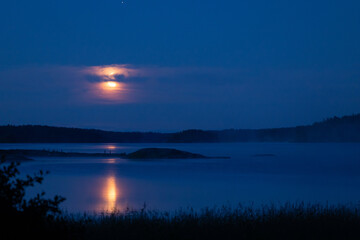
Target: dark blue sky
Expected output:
[196,64]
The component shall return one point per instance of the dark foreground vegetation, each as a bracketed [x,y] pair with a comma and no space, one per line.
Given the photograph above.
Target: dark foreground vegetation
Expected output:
[344,129]
[40,218]
[289,221]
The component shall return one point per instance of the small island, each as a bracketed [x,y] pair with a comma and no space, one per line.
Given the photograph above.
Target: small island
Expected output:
[164,153]
[142,154]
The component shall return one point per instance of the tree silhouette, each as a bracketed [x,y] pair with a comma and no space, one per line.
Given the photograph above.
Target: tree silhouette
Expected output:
[20,215]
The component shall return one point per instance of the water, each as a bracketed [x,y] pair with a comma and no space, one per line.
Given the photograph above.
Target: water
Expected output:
[256,173]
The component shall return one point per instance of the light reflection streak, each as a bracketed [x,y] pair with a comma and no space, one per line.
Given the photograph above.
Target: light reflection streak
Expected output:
[111,147]
[111,193]
[111,160]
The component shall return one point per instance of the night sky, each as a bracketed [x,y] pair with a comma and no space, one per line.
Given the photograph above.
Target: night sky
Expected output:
[173,65]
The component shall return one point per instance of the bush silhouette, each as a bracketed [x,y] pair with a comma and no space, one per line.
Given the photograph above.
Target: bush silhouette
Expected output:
[20,215]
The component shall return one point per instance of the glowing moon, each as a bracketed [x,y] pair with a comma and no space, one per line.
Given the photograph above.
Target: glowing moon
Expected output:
[111,88]
[111,84]
[110,91]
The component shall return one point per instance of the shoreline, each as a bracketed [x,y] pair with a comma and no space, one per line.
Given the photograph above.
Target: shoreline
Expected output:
[144,153]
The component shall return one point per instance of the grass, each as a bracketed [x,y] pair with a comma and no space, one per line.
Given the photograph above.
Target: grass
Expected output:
[288,221]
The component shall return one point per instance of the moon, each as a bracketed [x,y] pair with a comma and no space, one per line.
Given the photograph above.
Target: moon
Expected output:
[111,84]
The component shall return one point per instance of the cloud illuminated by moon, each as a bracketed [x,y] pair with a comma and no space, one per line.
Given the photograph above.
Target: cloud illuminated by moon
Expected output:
[109,82]
[111,72]
[122,83]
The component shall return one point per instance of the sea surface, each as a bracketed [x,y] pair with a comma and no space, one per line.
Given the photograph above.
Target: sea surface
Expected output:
[256,173]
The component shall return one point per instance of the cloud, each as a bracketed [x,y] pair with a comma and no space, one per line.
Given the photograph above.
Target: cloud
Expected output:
[110,72]
[128,95]
[105,84]
[123,84]
[153,84]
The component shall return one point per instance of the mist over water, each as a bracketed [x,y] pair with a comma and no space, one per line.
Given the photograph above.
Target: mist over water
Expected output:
[256,172]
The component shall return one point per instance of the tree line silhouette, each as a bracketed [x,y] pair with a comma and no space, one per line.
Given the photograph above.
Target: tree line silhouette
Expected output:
[335,129]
